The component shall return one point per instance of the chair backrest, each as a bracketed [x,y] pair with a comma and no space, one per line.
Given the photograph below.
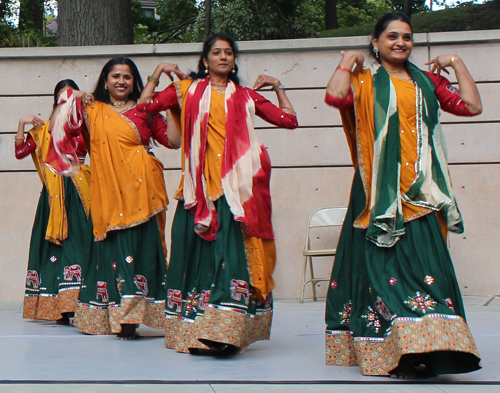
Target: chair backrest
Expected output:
[327,217]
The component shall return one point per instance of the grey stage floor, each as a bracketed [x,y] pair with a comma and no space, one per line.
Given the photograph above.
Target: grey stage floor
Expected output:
[39,352]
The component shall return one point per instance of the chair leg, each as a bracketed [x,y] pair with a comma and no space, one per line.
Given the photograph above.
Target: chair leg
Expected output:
[303,281]
[313,283]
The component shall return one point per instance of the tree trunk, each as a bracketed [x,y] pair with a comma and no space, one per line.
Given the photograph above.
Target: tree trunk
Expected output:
[208,18]
[31,14]
[407,8]
[331,20]
[94,22]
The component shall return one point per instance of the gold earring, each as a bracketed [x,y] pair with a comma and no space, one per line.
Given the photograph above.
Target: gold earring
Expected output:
[106,87]
[234,69]
[206,68]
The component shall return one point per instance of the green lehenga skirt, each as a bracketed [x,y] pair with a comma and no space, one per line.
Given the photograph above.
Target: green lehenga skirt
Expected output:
[210,301]
[397,305]
[55,272]
[125,281]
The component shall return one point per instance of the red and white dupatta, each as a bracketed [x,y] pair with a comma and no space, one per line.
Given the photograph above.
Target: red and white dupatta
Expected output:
[246,167]
[61,157]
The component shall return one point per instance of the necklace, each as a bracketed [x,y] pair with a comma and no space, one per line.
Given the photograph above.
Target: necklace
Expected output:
[218,87]
[218,90]
[396,72]
[119,104]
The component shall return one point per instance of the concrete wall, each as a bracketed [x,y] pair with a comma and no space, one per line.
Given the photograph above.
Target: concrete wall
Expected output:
[311,164]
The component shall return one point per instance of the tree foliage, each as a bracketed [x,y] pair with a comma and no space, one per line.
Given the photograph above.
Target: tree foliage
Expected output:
[32,16]
[259,19]
[359,12]
[416,5]
[6,10]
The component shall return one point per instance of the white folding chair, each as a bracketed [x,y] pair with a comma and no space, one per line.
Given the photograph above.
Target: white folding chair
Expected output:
[321,218]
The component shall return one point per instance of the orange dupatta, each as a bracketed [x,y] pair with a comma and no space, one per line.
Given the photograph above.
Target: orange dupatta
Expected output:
[57,227]
[127,187]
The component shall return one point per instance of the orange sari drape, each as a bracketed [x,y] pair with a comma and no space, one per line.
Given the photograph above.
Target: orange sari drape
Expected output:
[127,187]
[57,227]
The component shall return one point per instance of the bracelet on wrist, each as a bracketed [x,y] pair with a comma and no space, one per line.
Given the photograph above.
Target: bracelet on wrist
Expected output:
[344,68]
[452,62]
[277,86]
[154,79]
[19,138]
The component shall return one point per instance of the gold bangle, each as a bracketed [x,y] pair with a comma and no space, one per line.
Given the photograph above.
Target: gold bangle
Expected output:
[154,79]
[277,86]
[19,138]
[452,61]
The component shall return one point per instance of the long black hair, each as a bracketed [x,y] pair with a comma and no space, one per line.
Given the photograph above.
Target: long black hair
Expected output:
[102,94]
[381,26]
[207,47]
[61,85]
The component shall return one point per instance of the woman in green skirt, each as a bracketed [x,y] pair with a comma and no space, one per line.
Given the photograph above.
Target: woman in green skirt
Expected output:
[394,305]
[60,239]
[125,282]
[219,279]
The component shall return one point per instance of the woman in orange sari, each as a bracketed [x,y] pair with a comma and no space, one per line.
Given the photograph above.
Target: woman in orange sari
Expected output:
[394,305]
[125,283]
[61,233]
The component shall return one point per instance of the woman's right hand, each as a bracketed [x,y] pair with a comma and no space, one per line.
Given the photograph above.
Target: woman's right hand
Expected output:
[353,57]
[85,98]
[33,120]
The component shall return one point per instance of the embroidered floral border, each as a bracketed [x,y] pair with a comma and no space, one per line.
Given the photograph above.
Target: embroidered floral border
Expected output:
[378,356]
[221,325]
[50,307]
[133,310]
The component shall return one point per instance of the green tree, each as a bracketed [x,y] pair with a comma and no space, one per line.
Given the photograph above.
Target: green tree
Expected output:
[6,10]
[359,12]
[254,19]
[415,6]
[31,14]
[175,19]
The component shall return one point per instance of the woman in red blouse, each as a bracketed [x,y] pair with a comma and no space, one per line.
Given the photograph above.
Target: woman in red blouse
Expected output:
[60,238]
[219,279]
[394,305]
[125,283]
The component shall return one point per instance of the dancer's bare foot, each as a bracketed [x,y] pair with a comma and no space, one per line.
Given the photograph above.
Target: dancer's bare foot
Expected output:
[128,331]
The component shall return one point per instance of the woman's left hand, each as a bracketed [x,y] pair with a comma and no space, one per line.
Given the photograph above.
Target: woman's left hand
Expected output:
[263,81]
[440,63]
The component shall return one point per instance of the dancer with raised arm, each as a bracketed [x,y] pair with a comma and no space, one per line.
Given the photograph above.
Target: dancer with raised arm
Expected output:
[219,279]
[394,305]
[60,239]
